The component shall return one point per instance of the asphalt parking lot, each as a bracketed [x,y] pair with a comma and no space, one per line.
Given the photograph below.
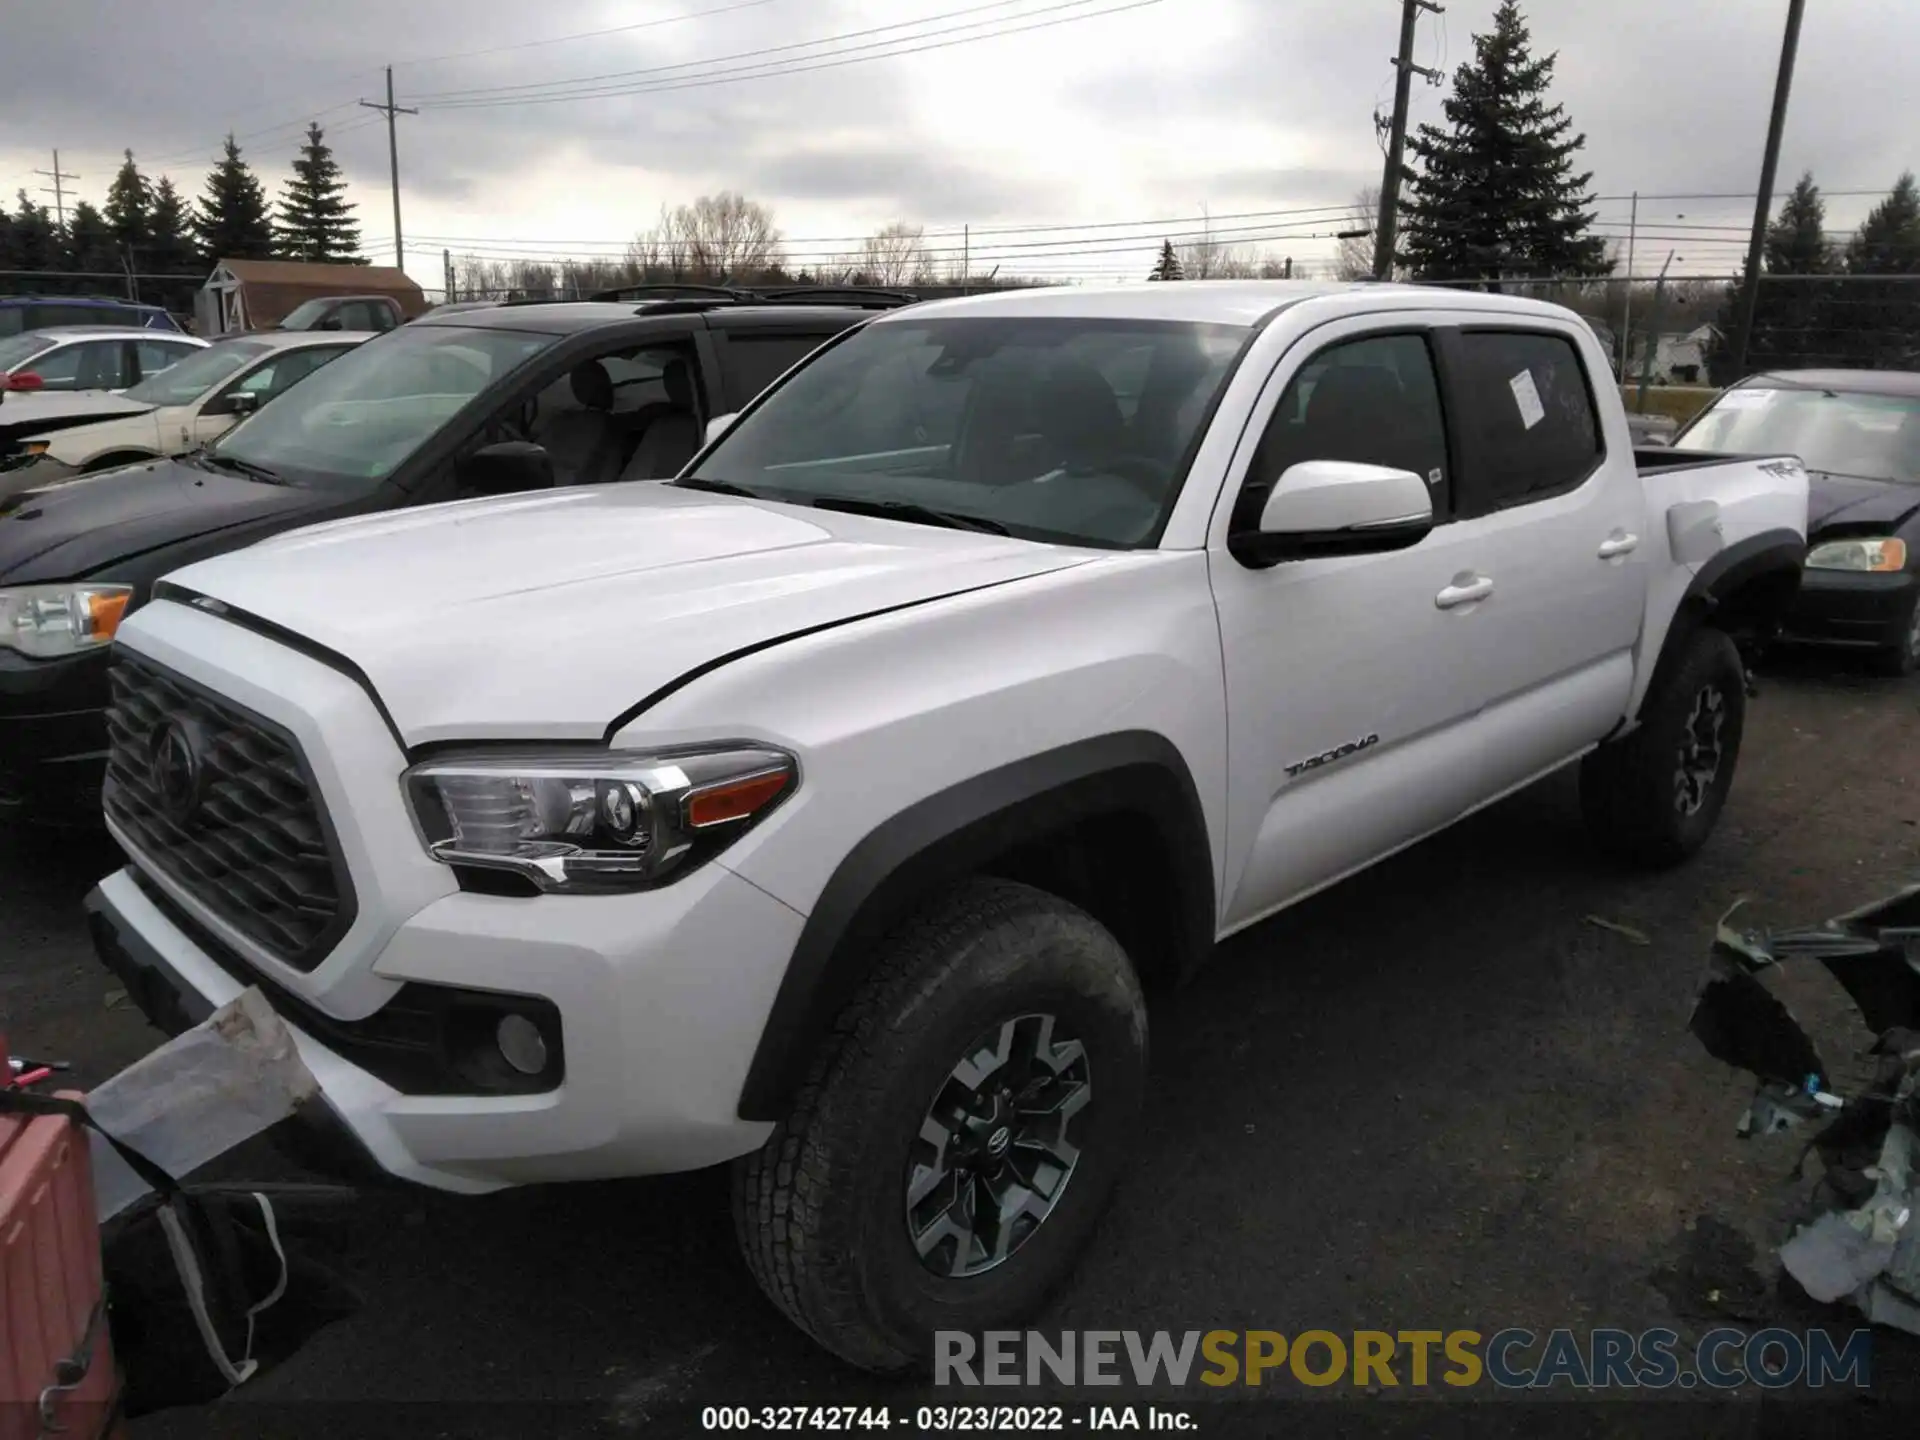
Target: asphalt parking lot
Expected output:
[1439,1096]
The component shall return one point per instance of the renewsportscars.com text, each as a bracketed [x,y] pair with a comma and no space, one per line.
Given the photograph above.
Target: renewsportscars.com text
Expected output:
[1510,1359]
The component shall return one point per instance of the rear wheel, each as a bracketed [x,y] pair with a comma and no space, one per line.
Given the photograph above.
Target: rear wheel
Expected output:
[959,1134]
[1653,797]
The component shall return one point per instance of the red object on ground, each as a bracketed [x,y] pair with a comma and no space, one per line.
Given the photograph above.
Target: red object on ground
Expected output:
[24,380]
[52,1306]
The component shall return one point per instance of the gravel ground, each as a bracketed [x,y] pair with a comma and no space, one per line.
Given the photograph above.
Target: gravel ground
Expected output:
[1438,1096]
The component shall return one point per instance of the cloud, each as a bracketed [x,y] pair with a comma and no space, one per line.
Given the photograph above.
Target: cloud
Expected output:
[1155,112]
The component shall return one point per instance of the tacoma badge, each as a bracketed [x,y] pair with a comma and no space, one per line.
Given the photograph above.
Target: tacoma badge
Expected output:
[1339,752]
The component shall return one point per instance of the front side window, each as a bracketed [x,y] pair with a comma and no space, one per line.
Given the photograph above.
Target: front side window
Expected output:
[1008,422]
[1372,401]
[1836,432]
[157,355]
[89,365]
[359,418]
[187,381]
[1530,424]
[16,350]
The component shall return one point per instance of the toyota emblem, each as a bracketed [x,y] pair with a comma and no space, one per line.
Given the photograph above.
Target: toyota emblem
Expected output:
[177,771]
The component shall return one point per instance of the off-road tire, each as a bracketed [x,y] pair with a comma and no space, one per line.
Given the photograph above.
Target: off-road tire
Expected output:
[1631,788]
[820,1209]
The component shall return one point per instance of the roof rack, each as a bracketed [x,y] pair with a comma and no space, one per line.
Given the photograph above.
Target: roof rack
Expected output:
[867,296]
[673,291]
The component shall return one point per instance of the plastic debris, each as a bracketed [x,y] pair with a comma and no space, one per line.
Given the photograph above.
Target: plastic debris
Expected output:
[197,1096]
[1864,1248]
[1638,937]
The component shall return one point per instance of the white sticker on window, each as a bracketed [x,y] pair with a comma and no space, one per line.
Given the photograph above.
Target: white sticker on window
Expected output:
[1744,399]
[1527,397]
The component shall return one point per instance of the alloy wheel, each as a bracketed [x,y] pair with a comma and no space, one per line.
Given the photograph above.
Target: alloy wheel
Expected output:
[997,1146]
[1701,751]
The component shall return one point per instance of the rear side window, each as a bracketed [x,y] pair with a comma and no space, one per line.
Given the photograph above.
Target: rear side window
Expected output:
[1529,426]
[755,361]
[1372,400]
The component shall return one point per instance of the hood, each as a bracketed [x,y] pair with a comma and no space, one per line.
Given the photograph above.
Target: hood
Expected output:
[75,527]
[1836,500]
[548,616]
[34,412]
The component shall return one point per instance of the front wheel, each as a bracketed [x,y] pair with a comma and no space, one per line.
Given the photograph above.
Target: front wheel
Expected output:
[959,1134]
[1652,797]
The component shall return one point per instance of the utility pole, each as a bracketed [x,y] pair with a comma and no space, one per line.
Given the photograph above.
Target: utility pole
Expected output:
[966,257]
[57,190]
[393,160]
[1626,311]
[1383,236]
[1763,205]
[446,272]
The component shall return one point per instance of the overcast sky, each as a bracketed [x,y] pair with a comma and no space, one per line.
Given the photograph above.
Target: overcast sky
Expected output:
[1151,113]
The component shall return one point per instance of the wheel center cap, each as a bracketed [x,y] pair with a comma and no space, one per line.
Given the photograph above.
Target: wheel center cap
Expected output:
[998,1141]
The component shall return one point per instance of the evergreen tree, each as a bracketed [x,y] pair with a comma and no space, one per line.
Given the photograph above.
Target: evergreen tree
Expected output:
[316,220]
[1496,195]
[1880,320]
[1167,267]
[36,244]
[91,250]
[171,250]
[129,207]
[231,222]
[1790,316]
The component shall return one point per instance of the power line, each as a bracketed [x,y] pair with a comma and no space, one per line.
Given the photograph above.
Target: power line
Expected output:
[804,65]
[592,34]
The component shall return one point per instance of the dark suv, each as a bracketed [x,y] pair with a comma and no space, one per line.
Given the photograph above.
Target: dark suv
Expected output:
[19,313]
[517,397]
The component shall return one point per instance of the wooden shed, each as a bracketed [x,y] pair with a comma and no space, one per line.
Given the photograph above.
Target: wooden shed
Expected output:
[244,295]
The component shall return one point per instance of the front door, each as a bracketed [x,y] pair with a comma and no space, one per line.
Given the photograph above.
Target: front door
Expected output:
[1351,681]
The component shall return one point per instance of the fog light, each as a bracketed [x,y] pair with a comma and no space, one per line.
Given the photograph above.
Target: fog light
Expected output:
[521,1044]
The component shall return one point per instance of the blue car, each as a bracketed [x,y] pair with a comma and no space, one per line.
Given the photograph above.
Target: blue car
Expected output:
[19,313]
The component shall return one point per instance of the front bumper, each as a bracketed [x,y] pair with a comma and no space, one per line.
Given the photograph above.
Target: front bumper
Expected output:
[658,1025]
[53,737]
[1848,607]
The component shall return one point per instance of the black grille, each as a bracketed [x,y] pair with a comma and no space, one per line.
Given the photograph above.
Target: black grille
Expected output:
[250,842]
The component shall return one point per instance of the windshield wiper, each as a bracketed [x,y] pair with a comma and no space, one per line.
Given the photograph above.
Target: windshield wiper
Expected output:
[718,487]
[909,511]
[241,467]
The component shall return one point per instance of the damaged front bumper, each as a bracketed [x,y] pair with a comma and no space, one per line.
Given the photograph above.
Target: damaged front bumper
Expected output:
[1866,1246]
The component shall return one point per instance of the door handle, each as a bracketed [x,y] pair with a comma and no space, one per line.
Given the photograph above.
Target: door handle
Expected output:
[1618,543]
[1464,591]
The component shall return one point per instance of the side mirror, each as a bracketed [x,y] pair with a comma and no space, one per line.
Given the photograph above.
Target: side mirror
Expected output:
[719,425]
[241,402]
[507,467]
[1337,507]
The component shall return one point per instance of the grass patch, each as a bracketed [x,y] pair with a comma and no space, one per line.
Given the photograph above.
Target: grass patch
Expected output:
[1679,402]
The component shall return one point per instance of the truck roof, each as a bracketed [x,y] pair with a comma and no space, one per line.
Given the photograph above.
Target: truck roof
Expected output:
[1220,302]
[568,317]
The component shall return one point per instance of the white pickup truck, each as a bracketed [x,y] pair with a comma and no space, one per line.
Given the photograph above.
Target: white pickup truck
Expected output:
[828,809]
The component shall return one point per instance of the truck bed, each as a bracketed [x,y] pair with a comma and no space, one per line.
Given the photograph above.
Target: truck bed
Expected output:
[1655,459]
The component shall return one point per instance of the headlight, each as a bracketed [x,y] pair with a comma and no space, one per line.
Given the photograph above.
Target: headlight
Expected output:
[595,822]
[48,620]
[1883,556]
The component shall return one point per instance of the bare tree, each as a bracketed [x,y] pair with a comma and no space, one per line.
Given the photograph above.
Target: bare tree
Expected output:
[894,255]
[1354,259]
[718,237]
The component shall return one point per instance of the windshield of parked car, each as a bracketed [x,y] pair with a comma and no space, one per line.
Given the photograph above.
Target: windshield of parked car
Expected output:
[1836,432]
[358,418]
[187,380]
[1064,429]
[18,349]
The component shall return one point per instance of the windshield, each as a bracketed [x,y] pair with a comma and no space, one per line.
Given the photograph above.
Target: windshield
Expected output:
[21,348]
[1838,432]
[1060,429]
[187,380]
[360,417]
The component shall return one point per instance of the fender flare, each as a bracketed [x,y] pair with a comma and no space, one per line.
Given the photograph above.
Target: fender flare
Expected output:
[1769,553]
[951,834]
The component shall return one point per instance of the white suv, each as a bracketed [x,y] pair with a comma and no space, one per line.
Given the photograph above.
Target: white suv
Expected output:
[827,809]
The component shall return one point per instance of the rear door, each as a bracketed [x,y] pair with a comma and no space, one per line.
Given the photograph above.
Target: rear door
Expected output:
[1558,521]
[754,351]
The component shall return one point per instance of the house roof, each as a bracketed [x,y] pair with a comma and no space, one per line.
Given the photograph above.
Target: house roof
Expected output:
[274,287]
